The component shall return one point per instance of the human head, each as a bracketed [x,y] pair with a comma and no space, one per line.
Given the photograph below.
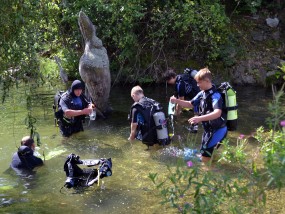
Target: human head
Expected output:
[76,88]
[28,141]
[204,79]
[137,93]
[170,76]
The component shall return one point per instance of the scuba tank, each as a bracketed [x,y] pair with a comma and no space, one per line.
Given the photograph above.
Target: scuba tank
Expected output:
[191,72]
[161,127]
[231,105]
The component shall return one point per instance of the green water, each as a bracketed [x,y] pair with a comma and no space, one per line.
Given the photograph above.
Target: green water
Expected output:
[128,190]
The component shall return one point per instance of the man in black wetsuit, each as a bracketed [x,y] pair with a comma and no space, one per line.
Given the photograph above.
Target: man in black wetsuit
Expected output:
[73,106]
[186,86]
[24,158]
[142,123]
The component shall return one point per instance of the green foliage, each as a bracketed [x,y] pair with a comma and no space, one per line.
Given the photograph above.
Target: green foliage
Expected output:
[31,121]
[273,142]
[281,73]
[234,153]
[276,109]
[48,68]
[138,35]
[137,45]
[196,191]
[249,5]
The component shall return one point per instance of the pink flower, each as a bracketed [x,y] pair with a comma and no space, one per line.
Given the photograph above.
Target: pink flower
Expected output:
[190,163]
[282,123]
[241,136]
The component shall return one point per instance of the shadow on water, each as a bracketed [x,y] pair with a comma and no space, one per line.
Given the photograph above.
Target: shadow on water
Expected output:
[128,190]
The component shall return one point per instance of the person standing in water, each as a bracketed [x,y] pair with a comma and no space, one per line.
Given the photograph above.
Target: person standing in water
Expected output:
[24,159]
[185,85]
[141,117]
[211,115]
[73,106]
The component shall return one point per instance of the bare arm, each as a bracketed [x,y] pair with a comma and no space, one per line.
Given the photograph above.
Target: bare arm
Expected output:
[182,103]
[133,131]
[73,113]
[178,108]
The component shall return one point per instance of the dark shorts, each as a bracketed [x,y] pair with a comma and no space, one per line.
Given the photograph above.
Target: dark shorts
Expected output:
[212,140]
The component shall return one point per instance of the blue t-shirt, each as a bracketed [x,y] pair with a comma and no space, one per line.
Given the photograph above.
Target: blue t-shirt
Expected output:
[77,103]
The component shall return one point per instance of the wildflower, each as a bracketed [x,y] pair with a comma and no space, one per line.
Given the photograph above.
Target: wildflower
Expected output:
[241,136]
[190,163]
[282,123]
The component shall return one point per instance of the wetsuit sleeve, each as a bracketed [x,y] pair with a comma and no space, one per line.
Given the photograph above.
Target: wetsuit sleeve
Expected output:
[217,101]
[63,105]
[35,161]
[134,115]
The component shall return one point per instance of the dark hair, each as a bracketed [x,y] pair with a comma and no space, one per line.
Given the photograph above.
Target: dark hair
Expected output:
[169,74]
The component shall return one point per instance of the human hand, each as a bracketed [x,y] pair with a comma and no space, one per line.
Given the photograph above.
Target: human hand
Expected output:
[87,111]
[173,99]
[194,120]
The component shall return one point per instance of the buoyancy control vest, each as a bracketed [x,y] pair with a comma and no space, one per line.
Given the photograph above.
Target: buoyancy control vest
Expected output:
[206,107]
[66,97]
[153,128]
[191,87]
[25,159]
[229,110]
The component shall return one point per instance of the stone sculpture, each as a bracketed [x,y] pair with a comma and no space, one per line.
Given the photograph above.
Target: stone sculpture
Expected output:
[94,65]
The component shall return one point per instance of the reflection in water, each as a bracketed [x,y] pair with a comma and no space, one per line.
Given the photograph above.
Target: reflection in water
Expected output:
[128,190]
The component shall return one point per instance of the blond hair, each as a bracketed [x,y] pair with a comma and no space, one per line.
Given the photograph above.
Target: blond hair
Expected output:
[203,74]
[136,90]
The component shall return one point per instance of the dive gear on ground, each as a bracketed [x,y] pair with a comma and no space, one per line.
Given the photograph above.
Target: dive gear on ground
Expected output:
[77,177]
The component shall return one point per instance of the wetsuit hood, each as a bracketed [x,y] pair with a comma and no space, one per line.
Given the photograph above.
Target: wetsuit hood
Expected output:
[77,84]
[25,150]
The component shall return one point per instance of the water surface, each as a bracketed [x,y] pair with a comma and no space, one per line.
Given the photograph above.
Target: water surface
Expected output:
[128,190]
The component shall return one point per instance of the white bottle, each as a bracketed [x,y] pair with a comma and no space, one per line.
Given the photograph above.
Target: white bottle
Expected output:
[92,115]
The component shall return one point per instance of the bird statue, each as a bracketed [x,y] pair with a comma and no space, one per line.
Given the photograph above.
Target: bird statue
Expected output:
[94,65]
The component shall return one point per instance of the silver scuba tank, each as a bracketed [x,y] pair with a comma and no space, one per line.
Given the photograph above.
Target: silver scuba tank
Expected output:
[161,127]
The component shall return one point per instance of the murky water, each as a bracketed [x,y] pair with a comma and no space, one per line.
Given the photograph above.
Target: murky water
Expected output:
[128,190]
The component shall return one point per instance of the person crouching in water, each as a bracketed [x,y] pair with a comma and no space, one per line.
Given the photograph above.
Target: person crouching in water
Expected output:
[24,160]
[142,123]
[75,106]
[211,115]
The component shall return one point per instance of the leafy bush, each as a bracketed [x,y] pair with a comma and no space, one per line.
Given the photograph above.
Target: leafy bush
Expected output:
[137,33]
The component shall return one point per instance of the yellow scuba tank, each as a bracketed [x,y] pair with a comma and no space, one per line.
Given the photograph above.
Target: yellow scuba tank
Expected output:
[231,104]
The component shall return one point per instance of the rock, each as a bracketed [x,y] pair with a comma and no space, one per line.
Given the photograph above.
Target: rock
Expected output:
[272,22]
[94,65]
[257,36]
[276,35]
